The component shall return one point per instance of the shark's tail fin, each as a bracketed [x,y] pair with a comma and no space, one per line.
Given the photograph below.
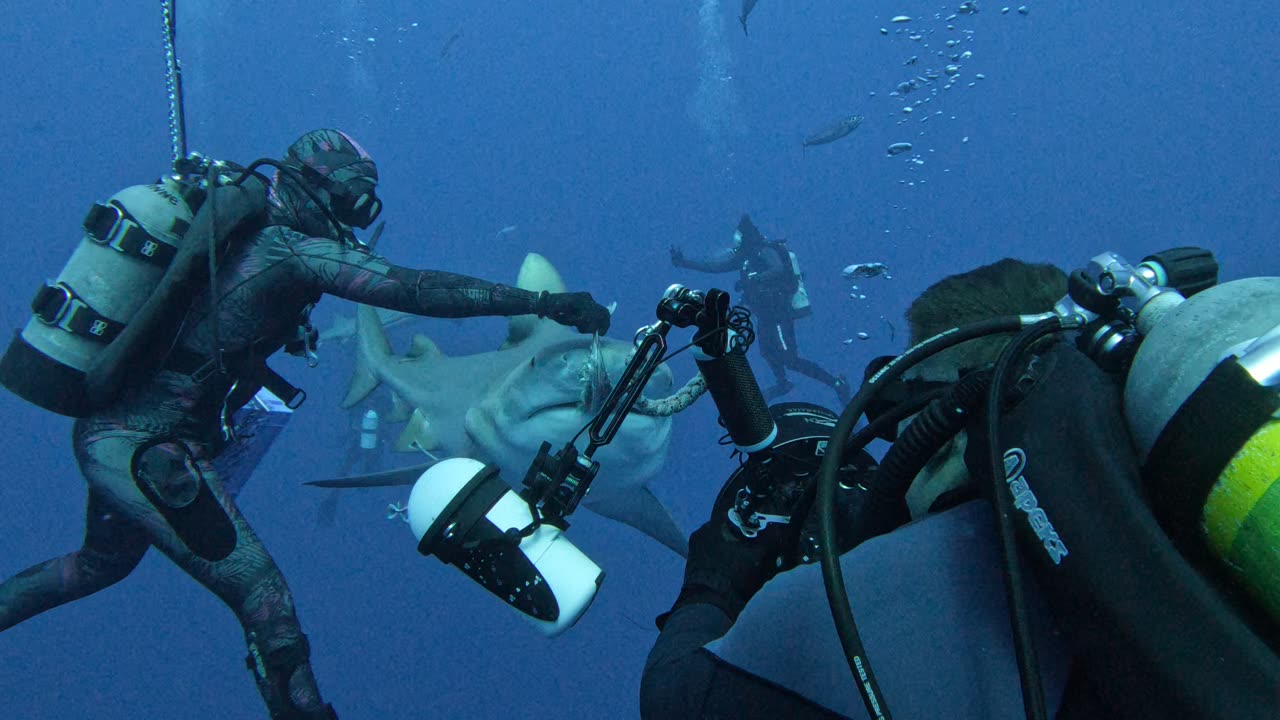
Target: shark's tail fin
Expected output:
[372,346]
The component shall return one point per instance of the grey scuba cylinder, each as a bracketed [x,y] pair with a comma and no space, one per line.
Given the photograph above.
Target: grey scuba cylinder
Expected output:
[128,243]
[800,306]
[1202,400]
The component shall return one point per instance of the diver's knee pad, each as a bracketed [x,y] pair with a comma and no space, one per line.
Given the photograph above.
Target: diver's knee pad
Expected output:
[165,471]
[273,670]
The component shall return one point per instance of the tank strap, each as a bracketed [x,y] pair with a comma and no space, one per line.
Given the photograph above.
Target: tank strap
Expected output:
[1186,461]
[112,226]
[59,306]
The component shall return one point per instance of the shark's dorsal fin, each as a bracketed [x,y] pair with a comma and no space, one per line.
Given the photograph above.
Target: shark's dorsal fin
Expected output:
[423,347]
[536,274]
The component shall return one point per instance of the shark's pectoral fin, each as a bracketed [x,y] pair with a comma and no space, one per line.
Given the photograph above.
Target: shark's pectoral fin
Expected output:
[401,410]
[478,424]
[363,382]
[387,478]
[424,347]
[638,508]
[372,342]
[417,435]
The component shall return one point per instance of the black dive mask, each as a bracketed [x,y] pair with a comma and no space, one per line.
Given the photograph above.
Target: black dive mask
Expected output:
[353,202]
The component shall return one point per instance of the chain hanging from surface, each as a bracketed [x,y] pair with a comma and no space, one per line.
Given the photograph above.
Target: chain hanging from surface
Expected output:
[173,84]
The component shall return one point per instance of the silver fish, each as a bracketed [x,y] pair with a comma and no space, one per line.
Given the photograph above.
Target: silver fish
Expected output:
[834,131]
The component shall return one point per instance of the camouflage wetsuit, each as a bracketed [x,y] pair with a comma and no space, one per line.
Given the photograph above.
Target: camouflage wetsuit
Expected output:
[263,288]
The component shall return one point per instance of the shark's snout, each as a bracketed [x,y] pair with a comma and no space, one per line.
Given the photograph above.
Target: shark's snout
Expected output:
[543,385]
[559,391]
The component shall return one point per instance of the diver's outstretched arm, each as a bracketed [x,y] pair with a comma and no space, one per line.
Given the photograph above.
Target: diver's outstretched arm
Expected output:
[336,269]
[333,268]
[727,260]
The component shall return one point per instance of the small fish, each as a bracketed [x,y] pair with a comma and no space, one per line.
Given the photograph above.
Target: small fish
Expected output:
[865,270]
[448,44]
[835,131]
[747,7]
[507,230]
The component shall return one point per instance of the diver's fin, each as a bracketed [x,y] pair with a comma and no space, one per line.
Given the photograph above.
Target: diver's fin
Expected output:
[371,346]
[387,478]
[638,508]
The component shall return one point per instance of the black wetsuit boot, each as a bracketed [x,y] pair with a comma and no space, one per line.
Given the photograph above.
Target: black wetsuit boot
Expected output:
[283,674]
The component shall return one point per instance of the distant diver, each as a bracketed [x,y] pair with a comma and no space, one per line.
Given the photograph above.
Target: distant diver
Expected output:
[834,131]
[772,285]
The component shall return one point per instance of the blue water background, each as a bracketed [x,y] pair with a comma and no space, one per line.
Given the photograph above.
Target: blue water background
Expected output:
[605,132]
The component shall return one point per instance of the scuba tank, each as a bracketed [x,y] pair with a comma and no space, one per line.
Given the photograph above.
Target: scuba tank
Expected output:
[128,243]
[800,298]
[1202,400]
[111,314]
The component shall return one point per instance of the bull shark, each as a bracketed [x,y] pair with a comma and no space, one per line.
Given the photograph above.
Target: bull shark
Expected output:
[344,327]
[544,383]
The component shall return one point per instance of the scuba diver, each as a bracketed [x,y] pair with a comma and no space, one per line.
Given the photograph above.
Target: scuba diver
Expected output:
[146,450]
[1125,619]
[770,281]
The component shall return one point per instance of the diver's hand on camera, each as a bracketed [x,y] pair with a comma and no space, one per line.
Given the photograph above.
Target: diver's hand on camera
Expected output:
[577,309]
[726,569]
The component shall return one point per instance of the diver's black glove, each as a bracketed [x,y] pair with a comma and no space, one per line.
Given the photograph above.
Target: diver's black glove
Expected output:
[677,256]
[576,309]
[726,569]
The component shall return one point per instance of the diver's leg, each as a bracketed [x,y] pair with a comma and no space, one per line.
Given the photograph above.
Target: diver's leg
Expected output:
[113,547]
[773,347]
[809,368]
[247,579]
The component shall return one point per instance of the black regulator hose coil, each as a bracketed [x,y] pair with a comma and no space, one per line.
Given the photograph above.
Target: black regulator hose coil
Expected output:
[828,478]
[936,424]
[1024,649]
